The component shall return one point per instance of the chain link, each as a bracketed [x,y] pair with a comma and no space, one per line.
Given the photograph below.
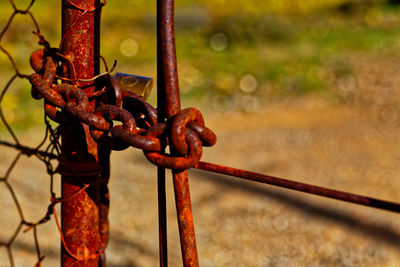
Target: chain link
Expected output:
[185,132]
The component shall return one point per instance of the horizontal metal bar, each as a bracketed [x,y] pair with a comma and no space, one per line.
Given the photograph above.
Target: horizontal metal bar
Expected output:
[307,188]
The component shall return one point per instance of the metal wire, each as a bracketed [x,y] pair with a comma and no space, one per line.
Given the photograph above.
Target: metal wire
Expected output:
[48,149]
[46,155]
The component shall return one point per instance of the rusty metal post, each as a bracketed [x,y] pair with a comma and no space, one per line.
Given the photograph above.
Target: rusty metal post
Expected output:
[168,105]
[79,164]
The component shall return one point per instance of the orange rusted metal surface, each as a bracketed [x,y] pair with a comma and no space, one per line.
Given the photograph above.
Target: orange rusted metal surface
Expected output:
[81,214]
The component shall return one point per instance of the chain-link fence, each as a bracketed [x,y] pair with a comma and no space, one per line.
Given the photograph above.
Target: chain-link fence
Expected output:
[43,152]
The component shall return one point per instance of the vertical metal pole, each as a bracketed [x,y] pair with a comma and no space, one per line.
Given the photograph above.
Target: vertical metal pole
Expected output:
[168,106]
[79,161]
[161,116]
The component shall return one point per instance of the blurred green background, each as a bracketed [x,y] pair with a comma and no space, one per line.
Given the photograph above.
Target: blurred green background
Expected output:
[239,55]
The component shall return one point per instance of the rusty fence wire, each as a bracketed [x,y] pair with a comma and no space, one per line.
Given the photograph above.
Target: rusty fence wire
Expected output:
[44,155]
[47,151]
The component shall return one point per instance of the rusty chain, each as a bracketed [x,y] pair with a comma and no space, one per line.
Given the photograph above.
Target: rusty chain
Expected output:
[64,102]
[185,132]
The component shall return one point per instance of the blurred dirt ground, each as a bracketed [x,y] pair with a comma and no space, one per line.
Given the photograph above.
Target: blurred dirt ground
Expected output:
[240,223]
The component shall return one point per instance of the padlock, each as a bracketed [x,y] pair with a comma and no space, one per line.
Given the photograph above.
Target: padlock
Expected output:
[138,84]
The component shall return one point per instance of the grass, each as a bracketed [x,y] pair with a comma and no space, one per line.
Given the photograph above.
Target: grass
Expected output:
[288,47]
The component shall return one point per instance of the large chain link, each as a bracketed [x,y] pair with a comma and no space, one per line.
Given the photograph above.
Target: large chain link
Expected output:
[185,133]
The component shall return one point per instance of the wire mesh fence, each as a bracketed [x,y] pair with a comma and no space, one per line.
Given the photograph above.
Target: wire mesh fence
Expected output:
[44,153]
[47,151]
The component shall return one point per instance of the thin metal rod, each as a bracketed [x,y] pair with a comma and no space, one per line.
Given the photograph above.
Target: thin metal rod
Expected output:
[185,219]
[302,187]
[169,103]
[161,117]
[168,106]
[162,218]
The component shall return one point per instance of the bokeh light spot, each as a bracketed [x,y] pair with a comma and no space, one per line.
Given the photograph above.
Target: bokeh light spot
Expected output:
[248,83]
[129,47]
[219,41]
